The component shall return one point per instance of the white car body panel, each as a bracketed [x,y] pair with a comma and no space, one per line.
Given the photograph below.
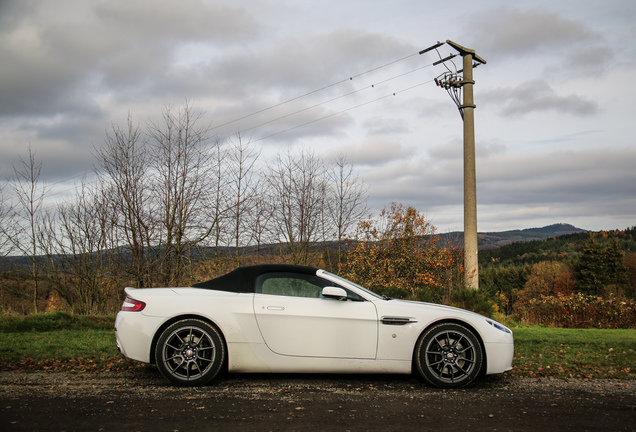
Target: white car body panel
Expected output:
[317,327]
[270,333]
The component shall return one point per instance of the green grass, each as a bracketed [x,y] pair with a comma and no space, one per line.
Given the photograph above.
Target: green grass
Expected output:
[60,342]
[62,350]
[54,321]
[59,345]
[575,353]
[64,342]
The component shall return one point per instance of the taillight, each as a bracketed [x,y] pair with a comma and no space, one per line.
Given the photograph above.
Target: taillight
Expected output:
[132,305]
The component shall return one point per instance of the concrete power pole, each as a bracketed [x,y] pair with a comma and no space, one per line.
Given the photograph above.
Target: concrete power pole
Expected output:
[455,85]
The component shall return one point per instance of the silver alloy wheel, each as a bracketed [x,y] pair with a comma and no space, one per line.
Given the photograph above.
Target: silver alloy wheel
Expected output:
[190,352]
[449,355]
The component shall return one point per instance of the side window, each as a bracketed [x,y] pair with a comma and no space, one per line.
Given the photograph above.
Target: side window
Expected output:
[290,284]
[296,285]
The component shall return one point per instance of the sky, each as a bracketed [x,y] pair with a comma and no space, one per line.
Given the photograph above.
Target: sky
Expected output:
[553,101]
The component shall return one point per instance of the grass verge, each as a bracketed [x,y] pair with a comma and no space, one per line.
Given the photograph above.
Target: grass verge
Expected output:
[60,342]
[575,353]
[64,342]
[54,321]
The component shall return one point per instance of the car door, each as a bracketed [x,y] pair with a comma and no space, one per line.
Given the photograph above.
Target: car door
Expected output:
[295,320]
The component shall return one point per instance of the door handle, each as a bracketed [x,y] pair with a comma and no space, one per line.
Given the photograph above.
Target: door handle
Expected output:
[277,308]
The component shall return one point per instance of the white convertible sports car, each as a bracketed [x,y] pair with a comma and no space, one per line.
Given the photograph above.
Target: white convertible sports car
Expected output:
[283,318]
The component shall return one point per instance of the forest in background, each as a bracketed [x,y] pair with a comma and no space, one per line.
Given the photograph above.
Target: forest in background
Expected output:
[573,280]
[583,280]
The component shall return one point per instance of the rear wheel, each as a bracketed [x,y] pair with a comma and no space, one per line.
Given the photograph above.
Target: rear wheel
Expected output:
[190,352]
[448,355]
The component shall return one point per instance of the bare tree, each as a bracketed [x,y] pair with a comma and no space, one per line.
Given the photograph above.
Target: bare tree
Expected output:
[346,201]
[242,194]
[123,165]
[30,194]
[6,236]
[78,251]
[297,186]
[6,219]
[216,209]
[182,186]
[259,222]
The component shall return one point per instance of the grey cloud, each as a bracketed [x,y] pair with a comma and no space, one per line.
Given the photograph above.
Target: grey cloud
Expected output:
[282,69]
[587,175]
[517,186]
[186,20]
[70,67]
[454,150]
[60,159]
[592,60]
[556,43]
[249,80]
[52,64]
[306,63]
[302,126]
[386,126]
[377,150]
[511,31]
[451,150]
[595,56]
[260,119]
[426,182]
[65,64]
[536,96]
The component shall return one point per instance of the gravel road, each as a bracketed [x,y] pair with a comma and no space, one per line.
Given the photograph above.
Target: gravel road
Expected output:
[143,401]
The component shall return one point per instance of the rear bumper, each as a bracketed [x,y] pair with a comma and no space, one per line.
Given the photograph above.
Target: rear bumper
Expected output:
[134,333]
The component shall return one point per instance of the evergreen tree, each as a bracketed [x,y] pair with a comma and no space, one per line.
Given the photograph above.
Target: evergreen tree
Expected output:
[503,283]
[590,268]
[616,271]
[599,267]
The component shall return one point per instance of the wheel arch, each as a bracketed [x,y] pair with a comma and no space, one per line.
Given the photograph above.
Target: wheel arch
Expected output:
[173,320]
[484,365]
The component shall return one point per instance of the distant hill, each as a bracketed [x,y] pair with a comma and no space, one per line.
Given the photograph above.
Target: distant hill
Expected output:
[490,240]
[496,239]
[558,246]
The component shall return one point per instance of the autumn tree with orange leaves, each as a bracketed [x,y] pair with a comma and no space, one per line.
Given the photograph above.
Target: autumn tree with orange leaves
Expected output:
[397,254]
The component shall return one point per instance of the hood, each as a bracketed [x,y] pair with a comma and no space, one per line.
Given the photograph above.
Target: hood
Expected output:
[416,306]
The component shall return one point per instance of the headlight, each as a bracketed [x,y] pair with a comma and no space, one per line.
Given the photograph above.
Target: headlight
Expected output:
[498,326]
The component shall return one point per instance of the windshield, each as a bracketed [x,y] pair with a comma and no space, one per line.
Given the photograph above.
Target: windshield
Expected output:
[346,281]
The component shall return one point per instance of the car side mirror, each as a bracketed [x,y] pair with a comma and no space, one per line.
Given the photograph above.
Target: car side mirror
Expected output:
[334,292]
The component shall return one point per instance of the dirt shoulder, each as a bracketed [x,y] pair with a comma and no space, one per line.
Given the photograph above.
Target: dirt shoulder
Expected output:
[142,400]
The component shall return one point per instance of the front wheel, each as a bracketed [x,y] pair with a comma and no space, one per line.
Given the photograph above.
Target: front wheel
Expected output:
[190,352]
[448,355]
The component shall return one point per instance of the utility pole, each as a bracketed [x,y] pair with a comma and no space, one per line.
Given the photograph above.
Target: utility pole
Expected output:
[457,84]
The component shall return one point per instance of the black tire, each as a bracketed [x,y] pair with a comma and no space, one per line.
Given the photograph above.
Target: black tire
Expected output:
[449,356]
[190,352]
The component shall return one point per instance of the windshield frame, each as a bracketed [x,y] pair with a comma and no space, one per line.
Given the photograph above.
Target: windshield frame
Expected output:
[340,279]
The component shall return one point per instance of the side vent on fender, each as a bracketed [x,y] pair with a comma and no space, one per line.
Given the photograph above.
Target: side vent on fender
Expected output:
[397,320]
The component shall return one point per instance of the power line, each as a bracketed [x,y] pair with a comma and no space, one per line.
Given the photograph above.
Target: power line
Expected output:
[345,110]
[84,174]
[323,102]
[351,78]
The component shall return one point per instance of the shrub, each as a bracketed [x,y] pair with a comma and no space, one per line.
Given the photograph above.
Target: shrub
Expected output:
[399,250]
[473,300]
[578,311]
[503,284]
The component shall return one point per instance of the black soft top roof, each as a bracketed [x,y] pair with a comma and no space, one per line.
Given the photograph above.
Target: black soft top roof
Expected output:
[243,279]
